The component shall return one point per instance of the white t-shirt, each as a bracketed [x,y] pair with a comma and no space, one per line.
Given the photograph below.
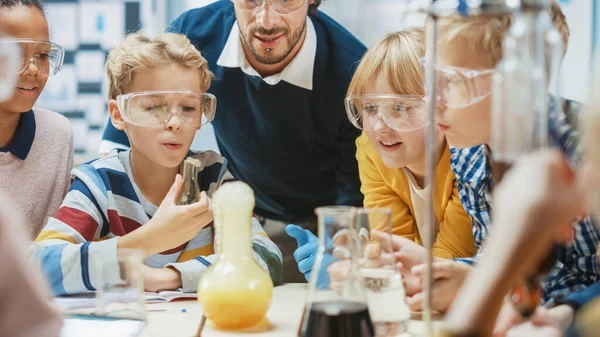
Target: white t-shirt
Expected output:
[419,201]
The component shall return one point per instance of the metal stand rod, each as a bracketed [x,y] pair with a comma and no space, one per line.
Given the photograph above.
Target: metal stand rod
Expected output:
[430,163]
[435,10]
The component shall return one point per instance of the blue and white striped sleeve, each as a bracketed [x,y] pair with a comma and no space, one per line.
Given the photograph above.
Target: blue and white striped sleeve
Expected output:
[69,259]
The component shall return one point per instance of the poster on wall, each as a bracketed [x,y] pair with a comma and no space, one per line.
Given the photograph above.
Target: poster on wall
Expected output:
[87,29]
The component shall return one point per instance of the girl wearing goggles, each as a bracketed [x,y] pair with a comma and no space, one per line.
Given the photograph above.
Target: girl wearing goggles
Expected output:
[386,100]
[36,146]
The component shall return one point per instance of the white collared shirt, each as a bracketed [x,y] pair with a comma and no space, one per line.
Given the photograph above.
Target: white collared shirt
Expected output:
[299,72]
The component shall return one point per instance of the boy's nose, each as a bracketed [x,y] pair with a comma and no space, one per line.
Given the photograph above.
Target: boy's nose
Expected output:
[173,122]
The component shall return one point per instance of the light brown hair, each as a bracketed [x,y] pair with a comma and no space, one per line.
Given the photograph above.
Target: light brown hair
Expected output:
[396,58]
[485,34]
[137,52]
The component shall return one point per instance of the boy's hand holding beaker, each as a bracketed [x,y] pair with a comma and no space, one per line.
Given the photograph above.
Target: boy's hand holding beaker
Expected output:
[172,225]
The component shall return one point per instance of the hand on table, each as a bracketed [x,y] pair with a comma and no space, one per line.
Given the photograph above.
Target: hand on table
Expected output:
[559,317]
[531,330]
[448,277]
[407,252]
[159,279]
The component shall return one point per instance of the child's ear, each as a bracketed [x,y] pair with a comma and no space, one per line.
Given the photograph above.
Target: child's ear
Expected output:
[115,115]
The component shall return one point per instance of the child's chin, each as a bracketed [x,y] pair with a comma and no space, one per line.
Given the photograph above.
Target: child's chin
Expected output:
[20,107]
[392,162]
[173,160]
[460,142]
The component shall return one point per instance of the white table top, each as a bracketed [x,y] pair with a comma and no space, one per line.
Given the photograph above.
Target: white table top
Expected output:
[284,314]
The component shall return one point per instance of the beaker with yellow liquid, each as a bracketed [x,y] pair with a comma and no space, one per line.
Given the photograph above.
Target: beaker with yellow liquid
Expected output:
[235,292]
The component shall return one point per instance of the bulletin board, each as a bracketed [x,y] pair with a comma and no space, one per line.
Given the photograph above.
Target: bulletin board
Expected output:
[87,30]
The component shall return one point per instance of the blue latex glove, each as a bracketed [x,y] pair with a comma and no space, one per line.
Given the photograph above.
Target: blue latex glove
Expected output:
[308,246]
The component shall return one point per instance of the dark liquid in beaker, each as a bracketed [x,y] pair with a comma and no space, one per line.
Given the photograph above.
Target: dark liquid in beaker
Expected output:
[338,319]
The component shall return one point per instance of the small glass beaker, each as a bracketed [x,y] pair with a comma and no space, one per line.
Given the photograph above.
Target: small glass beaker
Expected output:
[121,290]
[336,310]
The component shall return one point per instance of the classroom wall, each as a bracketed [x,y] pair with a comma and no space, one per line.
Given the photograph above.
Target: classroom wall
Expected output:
[578,60]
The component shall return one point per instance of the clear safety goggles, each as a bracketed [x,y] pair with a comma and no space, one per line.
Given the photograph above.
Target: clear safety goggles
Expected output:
[460,87]
[281,6]
[398,112]
[9,65]
[46,56]
[155,108]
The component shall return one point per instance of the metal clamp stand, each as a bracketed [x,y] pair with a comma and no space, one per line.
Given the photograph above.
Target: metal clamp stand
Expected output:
[531,49]
[435,10]
[533,52]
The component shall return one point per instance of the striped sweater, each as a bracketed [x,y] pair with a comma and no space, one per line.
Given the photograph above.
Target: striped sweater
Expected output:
[78,247]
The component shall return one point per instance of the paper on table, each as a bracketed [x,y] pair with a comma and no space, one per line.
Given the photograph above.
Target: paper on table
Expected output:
[90,326]
[168,296]
[77,301]
[88,300]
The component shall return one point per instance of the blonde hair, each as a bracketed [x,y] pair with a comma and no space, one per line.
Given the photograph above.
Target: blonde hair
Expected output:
[137,52]
[396,58]
[484,35]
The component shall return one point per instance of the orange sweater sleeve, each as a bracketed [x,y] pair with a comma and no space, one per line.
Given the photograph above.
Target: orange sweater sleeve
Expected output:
[455,236]
[378,194]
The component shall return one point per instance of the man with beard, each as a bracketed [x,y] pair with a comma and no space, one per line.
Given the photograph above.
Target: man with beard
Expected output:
[281,72]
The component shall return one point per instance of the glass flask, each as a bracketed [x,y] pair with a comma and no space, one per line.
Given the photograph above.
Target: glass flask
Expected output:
[235,292]
[336,309]
[532,52]
[122,296]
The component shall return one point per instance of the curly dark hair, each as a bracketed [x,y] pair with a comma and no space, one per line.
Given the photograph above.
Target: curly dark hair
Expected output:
[29,3]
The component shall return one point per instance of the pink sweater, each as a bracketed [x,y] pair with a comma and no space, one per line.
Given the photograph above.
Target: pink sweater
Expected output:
[24,309]
[38,184]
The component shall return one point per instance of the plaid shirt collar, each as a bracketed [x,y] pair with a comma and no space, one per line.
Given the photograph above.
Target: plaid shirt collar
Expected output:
[472,167]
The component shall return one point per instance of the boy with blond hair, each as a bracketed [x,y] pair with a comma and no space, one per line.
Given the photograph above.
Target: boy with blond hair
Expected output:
[129,199]
[472,46]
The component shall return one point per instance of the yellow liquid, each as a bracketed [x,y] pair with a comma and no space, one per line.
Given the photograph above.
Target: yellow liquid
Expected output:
[235,292]
[235,301]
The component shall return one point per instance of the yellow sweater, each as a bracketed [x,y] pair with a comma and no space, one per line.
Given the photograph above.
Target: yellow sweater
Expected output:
[388,188]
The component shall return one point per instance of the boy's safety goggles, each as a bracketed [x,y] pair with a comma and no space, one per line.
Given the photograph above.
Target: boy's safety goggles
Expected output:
[46,56]
[398,112]
[155,108]
[459,87]
[9,65]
